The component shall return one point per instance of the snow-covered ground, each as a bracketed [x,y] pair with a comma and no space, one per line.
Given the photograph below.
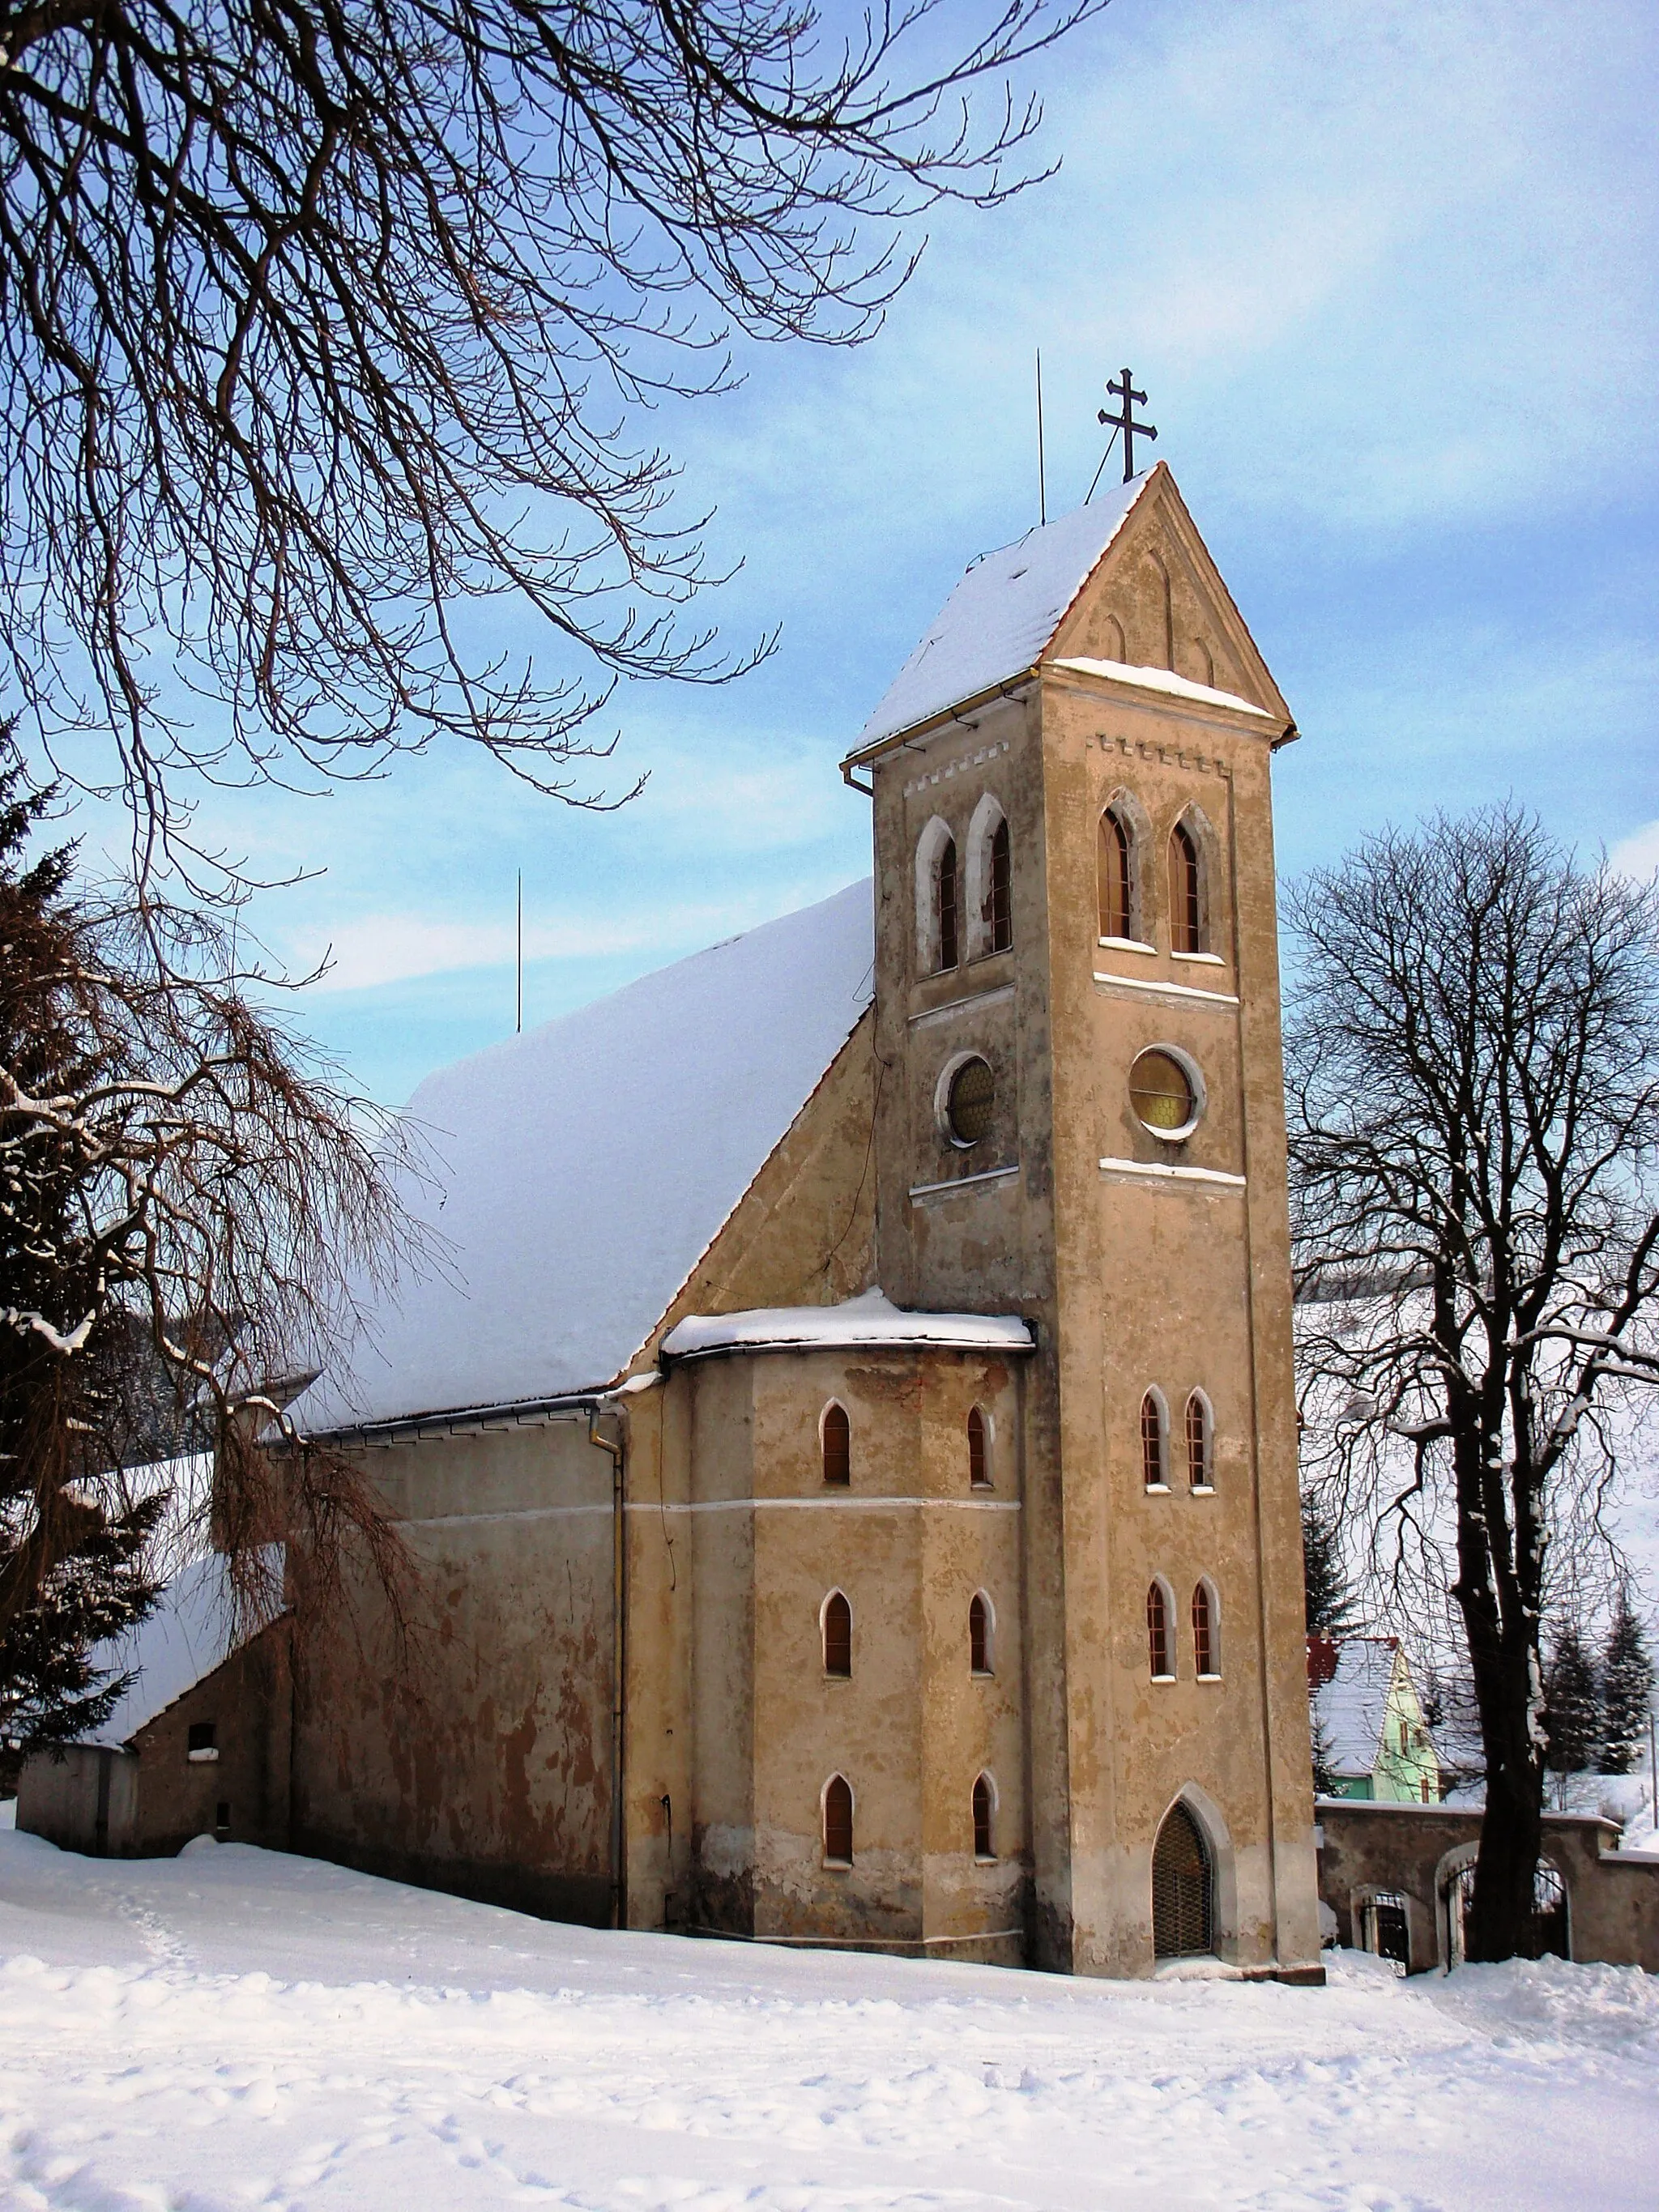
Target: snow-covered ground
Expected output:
[236,2029]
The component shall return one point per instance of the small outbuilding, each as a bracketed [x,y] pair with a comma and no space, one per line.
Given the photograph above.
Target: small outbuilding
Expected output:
[199,1744]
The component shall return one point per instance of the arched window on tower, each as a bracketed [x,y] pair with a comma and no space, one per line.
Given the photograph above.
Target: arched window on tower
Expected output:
[1159,1653]
[979,1635]
[950,905]
[984,1809]
[998,892]
[1154,1454]
[1207,1640]
[837,1636]
[1186,892]
[1200,1443]
[1115,866]
[979,1450]
[836,1431]
[837,1821]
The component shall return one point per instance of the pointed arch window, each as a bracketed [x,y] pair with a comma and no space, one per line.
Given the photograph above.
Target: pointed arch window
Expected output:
[979,1450]
[1116,877]
[1186,892]
[950,905]
[836,1431]
[1154,1468]
[999,892]
[838,1821]
[979,1635]
[837,1636]
[985,1810]
[1183,1910]
[1206,1641]
[1200,1443]
[1159,1651]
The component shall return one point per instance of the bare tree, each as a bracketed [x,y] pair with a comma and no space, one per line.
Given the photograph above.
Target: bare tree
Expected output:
[1473,1063]
[325,327]
[186,1204]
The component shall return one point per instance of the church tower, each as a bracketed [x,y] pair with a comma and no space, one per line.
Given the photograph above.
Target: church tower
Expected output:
[852,1459]
[1080,1119]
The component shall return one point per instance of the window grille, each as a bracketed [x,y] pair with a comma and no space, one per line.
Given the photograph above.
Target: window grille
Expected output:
[948,907]
[838,1822]
[979,1459]
[999,895]
[1206,1657]
[837,1636]
[984,1810]
[1161,1093]
[837,1447]
[1186,905]
[1152,1443]
[1183,1917]
[1199,1472]
[969,1106]
[1116,906]
[1158,1633]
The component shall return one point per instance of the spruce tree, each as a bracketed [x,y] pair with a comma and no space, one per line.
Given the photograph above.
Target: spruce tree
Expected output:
[1329,1597]
[69,1534]
[1572,1712]
[1626,1688]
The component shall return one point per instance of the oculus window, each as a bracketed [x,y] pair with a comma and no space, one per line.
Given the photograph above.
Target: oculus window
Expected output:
[1165,1093]
[969,1100]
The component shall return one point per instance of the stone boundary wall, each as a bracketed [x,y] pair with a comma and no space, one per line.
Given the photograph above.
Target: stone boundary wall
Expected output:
[1414,1850]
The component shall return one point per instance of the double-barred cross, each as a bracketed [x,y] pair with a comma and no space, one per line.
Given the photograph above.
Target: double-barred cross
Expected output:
[1125,391]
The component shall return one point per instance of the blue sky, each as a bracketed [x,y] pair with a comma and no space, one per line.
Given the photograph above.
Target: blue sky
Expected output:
[1387,272]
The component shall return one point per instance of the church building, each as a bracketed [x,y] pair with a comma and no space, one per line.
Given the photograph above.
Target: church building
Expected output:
[848,1441]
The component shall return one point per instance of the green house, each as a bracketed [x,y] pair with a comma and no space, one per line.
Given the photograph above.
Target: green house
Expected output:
[1370,1739]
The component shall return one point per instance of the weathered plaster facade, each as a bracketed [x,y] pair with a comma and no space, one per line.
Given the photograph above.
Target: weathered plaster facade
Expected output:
[616,1704]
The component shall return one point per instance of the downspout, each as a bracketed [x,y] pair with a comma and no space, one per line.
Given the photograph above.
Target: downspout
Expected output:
[619,1659]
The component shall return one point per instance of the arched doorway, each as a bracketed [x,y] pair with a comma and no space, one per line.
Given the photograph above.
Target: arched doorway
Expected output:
[1183,1889]
[1549,1935]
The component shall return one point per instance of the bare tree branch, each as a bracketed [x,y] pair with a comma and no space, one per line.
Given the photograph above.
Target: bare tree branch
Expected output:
[324,325]
[1474,1088]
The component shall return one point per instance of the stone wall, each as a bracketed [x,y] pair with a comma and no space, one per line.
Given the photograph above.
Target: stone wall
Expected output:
[1415,1850]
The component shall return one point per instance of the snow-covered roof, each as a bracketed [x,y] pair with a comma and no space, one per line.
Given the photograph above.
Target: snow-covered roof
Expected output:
[1002,615]
[1164,679]
[582,1170]
[187,1637]
[869,1321]
[1354,1704]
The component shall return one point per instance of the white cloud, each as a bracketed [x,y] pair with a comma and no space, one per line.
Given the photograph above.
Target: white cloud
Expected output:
[1637,855]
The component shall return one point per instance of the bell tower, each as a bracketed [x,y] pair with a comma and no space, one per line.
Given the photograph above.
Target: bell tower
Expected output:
[1079,1118]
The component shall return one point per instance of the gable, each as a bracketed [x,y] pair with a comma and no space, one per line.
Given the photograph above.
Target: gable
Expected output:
[1126,578]
[1156,600]
[578,1173]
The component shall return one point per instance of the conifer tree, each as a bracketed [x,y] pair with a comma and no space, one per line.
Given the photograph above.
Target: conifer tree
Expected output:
[56,1399]
[1626,1688]
[1572,1705]
[1329,1596]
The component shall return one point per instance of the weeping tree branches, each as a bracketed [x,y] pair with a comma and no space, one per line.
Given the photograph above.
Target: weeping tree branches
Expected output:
[1473,1062]
[321,325]
[184,1204]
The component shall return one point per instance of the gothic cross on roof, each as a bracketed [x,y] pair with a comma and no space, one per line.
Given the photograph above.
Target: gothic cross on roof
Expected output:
[1125,391]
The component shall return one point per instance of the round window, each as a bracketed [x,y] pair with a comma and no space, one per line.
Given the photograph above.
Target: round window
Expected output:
[1163,1094]
[968,1102]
